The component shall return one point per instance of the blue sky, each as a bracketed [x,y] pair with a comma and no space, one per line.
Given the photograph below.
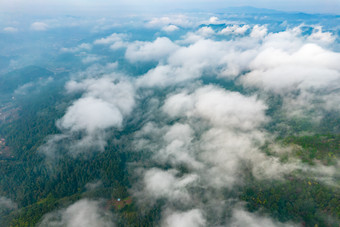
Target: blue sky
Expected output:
[106,6]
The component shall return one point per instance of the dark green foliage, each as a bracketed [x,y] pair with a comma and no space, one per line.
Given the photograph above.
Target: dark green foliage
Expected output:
[10,81]
[301,200]
[325,148]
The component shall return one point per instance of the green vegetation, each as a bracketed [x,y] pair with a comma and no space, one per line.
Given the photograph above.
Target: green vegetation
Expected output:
[40,187]
[302,200]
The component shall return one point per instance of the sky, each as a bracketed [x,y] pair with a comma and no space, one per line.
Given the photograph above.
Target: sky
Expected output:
[114,7]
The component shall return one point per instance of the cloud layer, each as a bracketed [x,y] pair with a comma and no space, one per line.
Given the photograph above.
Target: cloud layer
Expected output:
[84,212]
[202,139]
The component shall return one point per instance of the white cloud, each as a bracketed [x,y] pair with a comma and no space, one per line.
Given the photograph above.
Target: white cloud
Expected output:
[259,31]
[191,218]
[116,41]
[39,26]
[288,62]
[104,104]
[240,218]
[150,51]
[170,28]
[206,31]
[80,47]
[235,29]
[90,58]
[90,114]
[218,106]
[85,213]
[322,37]
[279,70]
[115,90]
[213,20]
[164,184]
[178,20]
[10,29]
[233,134]
[188,62]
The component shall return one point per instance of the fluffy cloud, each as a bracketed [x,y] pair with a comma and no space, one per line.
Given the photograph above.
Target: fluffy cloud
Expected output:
[170,28]
[216,135]
[86,213]
[164,184]
[279,70]
[199,56]
[191,218]
[150,51]
[321,37]
[104,104]
[233,135]
[288,63]
[206,31]
[39,26]
[282,62]
[259,31]
[220,107]
[187,63]
[213,20]
[90,114]
[116,41]
[240,217]
[235,29]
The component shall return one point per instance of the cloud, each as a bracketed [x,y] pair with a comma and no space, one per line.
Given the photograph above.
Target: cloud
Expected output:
[33,86]
[80,47]
[219,107]
[93,185]
[39,26]
[235,29]
[213,20]
[10,29]
[115,40]
[215,136]
[201,142]
[150,51]
[178,20]
[219,132]
[241,217]
[206,31]
[90,114]
[104,103]
[202,57]
[7,204]
[165,184]
[259,31]
[90,58]
[289,62]
[85,212]
[279,70]
[234,133]
[321,37]
[191,218]
[170,28]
